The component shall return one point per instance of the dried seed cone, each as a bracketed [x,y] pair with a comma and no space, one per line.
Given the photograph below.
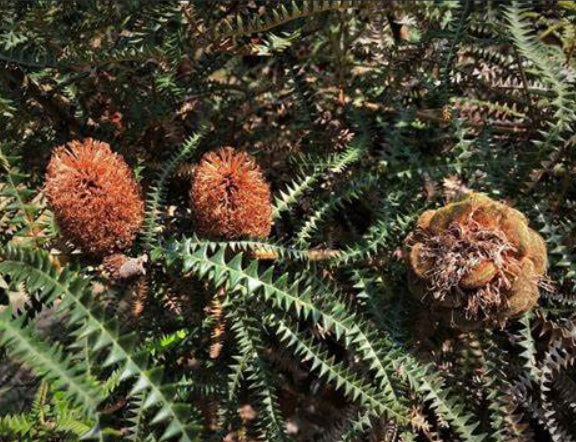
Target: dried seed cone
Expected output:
[475,261]
[94,196]
[230,197]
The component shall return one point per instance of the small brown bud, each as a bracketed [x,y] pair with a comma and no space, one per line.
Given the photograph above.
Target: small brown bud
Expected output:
[121,267]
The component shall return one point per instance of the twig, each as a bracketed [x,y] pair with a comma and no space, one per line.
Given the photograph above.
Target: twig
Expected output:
[219,326]
[312,255]
[436,116]
[525,88]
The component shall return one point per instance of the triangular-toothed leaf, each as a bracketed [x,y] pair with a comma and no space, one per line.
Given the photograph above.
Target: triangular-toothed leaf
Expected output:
[21,263]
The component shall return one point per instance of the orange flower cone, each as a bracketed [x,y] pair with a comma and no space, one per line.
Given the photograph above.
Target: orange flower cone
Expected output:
[475,261]
[230,197]
[94,197]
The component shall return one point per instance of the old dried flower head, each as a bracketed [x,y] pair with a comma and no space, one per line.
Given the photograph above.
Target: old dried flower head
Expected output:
[230,197]
[476,261]
[94,196]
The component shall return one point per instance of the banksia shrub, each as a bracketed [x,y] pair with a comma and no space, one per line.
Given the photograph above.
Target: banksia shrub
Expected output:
[230,197]
[94,196]
[267,303]
[476,261]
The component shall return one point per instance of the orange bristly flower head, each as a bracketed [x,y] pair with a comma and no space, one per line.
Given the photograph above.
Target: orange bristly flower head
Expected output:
[230,196]
[94,196]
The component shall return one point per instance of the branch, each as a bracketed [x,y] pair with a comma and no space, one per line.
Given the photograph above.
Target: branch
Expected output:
[436,116]
[312,254]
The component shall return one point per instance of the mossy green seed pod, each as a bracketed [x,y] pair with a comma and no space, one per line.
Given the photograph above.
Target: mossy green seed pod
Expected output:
[475,261]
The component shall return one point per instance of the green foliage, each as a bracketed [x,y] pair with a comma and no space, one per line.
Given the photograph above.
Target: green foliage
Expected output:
[550,72]
[239,26]
[310,299]
[38,273]
[157,192]
[258,374]
[49,362]
[20,213]
[50,416]
[318,168]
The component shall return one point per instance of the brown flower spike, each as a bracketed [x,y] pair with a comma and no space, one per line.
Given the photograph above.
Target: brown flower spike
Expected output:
[230,196]
[476,261]
[94,196]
